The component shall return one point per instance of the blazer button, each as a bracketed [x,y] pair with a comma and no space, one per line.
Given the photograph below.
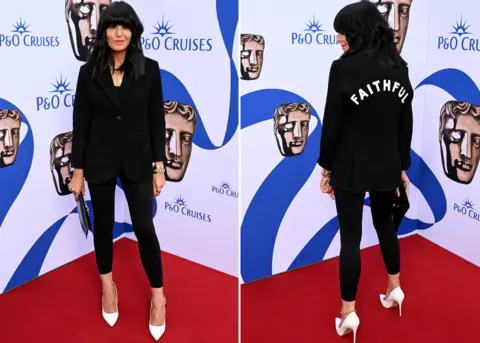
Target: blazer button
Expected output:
[118,118]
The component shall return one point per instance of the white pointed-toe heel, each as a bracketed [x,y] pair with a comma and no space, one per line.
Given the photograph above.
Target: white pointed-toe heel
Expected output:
[111,318]
[350,324]
[395,298]
[157,331]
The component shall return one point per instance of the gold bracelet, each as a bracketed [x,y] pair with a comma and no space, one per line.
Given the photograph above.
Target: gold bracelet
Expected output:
[158,169]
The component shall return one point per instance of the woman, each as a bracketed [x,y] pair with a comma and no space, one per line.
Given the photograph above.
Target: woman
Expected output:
[119,132]
[365,146]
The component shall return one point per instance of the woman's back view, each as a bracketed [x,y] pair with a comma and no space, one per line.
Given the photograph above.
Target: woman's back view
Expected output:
[367,124]
[365,146]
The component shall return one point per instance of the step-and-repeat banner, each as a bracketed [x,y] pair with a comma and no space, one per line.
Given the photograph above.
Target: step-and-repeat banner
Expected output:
[284,64]
[42,46]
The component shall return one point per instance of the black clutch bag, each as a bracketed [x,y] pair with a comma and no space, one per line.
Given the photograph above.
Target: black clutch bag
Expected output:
[400,207]
[83,215]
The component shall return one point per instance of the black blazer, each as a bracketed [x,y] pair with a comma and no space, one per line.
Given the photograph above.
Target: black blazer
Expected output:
[118,129]
[367,125]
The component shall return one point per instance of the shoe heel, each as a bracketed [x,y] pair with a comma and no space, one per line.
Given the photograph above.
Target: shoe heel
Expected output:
[350,323]
[396,296]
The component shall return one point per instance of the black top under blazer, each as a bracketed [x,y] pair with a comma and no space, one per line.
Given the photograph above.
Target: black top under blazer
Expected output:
[367,125]
[118,129]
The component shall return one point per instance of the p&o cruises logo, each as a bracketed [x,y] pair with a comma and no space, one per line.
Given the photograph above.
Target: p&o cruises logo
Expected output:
[466,208]
[165,37]
[61,95]
[461,38]
[179,205]
[225,189]
[314,34]
[21,35]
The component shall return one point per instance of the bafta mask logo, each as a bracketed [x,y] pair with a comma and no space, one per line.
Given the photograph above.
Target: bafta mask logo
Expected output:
[397,14]
[180,124]
[459,137]
[251,56]
[291,126]
[62,171]
[82,19]
[10,122]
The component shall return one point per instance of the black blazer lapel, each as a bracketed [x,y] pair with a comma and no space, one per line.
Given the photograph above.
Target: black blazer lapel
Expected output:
[127,83]
[106,83]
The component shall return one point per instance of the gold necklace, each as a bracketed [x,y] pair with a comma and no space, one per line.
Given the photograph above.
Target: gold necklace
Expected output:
[118,76]
[119,80]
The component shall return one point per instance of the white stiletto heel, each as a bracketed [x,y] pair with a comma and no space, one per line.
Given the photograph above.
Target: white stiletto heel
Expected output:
[157,331]
[111,318]
[350,323]
[395,298]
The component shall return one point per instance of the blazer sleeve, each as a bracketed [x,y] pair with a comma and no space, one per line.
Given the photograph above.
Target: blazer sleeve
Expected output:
[81,122]
[405,134]
[156,117]
[332,120]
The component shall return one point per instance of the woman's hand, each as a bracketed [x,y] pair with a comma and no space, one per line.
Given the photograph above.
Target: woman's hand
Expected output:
[325,185]
[77,184]
[158,183]
[406,183]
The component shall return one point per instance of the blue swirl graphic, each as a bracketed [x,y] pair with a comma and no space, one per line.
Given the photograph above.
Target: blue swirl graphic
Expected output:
[174,89]
[13,177]
[268,207]
[456,83]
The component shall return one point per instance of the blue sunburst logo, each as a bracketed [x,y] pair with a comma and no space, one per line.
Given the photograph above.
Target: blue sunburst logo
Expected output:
[21,27]
[314,26]
[163,29]
[180,201]
[61,86]
[225,189]
[467,203]
[461,28]
[313,33]
[179,206]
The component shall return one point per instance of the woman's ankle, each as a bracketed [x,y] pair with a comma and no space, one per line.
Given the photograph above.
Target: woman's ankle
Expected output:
[393,282]
[347,307]
[158,298]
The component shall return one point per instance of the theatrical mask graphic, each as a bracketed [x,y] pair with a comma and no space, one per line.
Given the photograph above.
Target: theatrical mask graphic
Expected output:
[62,171]
[251,56]
[397,14]
[82,19]
[459,137]
[10,122]
[180,124]
[291,127]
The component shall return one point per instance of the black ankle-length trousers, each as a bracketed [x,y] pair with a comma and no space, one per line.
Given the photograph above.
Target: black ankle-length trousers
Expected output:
[140,203]
[350,212]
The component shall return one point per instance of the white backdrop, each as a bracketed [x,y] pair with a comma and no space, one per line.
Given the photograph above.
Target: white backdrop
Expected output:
[286,221]
[39,230]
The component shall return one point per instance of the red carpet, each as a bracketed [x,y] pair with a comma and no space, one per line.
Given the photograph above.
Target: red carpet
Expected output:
[300,306]
[64,305]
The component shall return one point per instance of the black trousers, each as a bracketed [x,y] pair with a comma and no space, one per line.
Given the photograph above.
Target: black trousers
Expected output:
[350,212]
[140,203]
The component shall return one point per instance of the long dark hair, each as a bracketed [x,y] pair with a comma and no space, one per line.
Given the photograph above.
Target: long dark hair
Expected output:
[367,32]
[101,57]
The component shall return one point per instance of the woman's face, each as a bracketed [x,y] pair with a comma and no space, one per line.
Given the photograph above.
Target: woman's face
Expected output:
[343,41]
[118,38]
